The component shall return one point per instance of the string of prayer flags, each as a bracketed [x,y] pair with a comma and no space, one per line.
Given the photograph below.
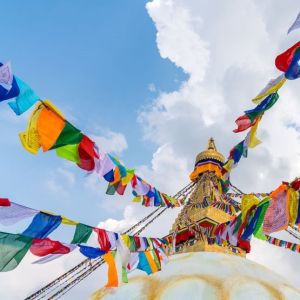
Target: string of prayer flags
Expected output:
[251,116]
[283,244]
[13,87]
[48,129]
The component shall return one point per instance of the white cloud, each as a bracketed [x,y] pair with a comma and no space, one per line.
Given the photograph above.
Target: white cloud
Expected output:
[111,142]
[228,50]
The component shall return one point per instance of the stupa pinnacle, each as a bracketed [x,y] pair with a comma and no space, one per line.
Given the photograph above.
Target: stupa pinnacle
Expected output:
[205,208]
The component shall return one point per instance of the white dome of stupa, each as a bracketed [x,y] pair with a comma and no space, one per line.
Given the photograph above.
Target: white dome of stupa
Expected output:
[204,275]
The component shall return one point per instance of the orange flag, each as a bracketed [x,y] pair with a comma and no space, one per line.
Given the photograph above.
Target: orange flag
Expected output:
[50,125]
[112,270]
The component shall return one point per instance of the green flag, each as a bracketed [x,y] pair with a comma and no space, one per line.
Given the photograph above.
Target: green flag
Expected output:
[13,248]
[82,234]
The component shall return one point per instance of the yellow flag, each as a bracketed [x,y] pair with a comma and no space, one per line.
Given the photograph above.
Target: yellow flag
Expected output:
[293,202]
[253,140]
[30,138]
[247,202]
[68,221]
[273,86]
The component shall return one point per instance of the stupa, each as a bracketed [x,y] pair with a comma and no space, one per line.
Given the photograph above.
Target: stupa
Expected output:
[201,268]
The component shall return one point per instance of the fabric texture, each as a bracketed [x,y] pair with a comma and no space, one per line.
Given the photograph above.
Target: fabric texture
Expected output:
[25,100]
[112,270]
[91,252]
[82,234]
[50,124]
[277,217]
[13,248]
[70,135]
[43,247]
[14,213]
[42,225]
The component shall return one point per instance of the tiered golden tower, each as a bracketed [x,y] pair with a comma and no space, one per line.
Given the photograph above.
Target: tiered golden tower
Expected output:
[206,207]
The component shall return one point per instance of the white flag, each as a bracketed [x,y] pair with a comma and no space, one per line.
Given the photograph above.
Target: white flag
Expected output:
[295,25]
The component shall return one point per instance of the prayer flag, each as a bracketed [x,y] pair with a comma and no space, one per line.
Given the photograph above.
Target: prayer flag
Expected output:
[102,239]
[295,25]
[91,252]
[82,234]
[42,225]
[276,217]
[112,270]
[4,202]
[293,71]
[272,86]
[25,99]
[50,124]
[284,59]
[293,202]
[87,154]
[13,247]
[69,152]
[30,139]
[13,89]
[6,75]
[50,257]
[69,135]
[43,247]
[14,213]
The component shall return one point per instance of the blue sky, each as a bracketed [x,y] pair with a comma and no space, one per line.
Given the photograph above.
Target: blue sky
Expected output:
[95,62]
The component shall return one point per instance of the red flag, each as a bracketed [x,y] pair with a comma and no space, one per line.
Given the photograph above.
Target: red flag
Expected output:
[43,247]
[243,123]
[4,202]
[87,154]
[103,239]
[284,59]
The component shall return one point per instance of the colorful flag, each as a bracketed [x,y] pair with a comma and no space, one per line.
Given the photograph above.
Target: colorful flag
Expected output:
[14,213]
[43,247]
[25,99]
[272,86]
[42,225]
[91,252]
[284,59]
[13,248]
[6,75]
[103,239]
[293,71]
[112,270]
[277,217]
[82,234]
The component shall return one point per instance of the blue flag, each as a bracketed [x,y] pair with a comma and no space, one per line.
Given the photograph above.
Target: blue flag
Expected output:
[42,225]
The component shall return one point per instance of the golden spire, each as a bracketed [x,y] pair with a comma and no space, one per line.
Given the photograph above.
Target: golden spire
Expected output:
[205,207]
[210,152]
